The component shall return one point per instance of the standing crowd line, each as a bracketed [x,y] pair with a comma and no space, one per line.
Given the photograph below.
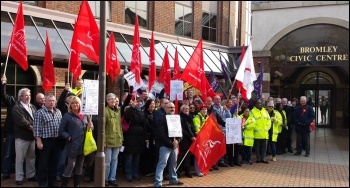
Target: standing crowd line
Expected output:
[49,135]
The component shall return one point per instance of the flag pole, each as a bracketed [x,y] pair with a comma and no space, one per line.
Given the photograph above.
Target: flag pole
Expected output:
[7,58]
[178,166]
[70,53]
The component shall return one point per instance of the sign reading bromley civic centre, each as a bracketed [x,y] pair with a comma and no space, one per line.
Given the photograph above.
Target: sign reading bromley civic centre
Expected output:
[319,53]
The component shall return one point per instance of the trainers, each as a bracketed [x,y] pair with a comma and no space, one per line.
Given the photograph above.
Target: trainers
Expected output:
[113,183]
[200,174]
[274,159]
[177,183]
[19,182]
[297,153]
[264,161]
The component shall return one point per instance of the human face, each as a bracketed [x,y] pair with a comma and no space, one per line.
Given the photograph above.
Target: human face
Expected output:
[269,108]
[25,98]
[164,103]
[192,108]
[40,99]
[152,106]
[204,111]
[186,110]
[79,84]
[75,106]
[302,101]
[217,100]
[186,102]
[170,109]
[112,102]
[138,103]
[209,101]
[246,112]
[190,93]
[50,102]
[144,95]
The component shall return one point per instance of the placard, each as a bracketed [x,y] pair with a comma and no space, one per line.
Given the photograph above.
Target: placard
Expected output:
[174,125]
[176,89]
[130,78]
[89,99]
[233,130]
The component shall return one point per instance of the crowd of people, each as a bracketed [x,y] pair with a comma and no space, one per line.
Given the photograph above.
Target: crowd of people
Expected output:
[49,136]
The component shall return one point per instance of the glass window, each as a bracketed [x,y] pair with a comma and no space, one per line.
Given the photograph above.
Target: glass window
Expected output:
[66,32]
[95,8]
[57,45]
[183,18]
[6,30]
[209,20]
[136,7]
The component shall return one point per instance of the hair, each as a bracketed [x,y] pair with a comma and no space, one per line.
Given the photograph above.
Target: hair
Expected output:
[74,99]
[111,95]
[21,91]
[156,100]
[303,97]
[50,95]
[147,104]
[184,106]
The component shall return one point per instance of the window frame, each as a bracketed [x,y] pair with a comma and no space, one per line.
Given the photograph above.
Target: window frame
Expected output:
[209,25]
[108,8]
[183,21]
[136,10]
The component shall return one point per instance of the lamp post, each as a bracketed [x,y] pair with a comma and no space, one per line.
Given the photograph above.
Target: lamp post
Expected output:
[100,155]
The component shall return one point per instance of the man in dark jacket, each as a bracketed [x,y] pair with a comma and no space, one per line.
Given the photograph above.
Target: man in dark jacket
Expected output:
[303,116]
[168,150]
[10,101]
[23,115]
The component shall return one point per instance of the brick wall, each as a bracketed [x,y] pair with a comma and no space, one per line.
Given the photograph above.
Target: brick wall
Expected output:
[164,17]
[197,20]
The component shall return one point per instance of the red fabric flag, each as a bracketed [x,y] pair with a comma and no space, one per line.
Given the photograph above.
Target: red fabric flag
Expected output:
[246,74]
[177,74]
[176,106]
[87,33]
[210,145]
[48,72]
[152,74]
[112,62]
[165,74]
[74,61]
[136,65]
[194,71]
[17,45]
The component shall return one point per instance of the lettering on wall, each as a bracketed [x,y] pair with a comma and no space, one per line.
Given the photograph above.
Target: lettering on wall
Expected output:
[319,53]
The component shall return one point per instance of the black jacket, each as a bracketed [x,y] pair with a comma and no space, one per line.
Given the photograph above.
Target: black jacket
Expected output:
[22,121]
[187,131]
[10,101]
[161,131]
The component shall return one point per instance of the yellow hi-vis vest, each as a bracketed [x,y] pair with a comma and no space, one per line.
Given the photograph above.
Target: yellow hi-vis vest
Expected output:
[198,121]
[262,123]
[248,131]
[285,117]
[276,125]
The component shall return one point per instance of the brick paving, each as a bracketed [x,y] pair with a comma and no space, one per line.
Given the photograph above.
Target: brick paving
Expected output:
[283,173]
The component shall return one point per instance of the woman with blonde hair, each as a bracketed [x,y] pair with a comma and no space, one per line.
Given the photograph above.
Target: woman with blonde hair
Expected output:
[72,128]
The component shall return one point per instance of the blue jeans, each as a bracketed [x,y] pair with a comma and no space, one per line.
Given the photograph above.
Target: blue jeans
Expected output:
[273,148]
[196,166]
[111,163]
[166,155]
[9,150]
[132,165]
[61,163]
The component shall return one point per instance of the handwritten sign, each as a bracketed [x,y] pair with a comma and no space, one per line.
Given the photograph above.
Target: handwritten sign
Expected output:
[89,101]
[233,130]
[176,89]
[174,125]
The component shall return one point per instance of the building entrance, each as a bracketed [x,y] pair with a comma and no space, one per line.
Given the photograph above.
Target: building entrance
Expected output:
[320,101]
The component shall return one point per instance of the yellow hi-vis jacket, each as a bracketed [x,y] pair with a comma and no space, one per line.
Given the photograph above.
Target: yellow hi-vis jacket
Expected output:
[262,123]
[198,121]
[276,125]
[283,125]
[248,131]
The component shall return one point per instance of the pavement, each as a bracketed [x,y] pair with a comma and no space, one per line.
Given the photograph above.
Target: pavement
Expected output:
[327,166]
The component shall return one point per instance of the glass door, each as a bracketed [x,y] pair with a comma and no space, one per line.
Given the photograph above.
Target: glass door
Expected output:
[320,101]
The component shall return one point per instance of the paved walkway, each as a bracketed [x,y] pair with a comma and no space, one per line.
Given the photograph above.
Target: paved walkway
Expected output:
[327,166]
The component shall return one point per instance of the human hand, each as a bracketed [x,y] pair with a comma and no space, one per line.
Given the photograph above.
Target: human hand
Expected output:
[67,87]
[3,79]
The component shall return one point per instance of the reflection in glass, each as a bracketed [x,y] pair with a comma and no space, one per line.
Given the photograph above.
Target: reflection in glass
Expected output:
[56,43]
[66,31]
[139,7]
[209,26]
[6,29]
[183,20]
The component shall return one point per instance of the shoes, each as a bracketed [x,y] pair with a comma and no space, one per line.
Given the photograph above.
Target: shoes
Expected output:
[257,161]
[32,178]
[216,168]
[189,175]
[231,165]
[53,185]
[274,159]
[290,150]
[5,177]
[136,178]
[264,161]
[211,169]
[113,183]
[223,165]
[166,177]
[249,162]
[297,153]
[106,183]
[237,164]
[19,182]
[58,179]
[200,174]
[177,183]
[149,174]
[129,179]
[307,155]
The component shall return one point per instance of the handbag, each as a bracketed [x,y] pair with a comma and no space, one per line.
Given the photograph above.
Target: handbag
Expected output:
[89,143]
[125,125]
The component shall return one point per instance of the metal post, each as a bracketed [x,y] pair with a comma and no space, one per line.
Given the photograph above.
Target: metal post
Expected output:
[100,155]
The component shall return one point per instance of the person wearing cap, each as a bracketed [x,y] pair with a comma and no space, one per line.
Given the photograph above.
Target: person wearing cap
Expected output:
[261,134]
[198,122]
[78,90]
[248,126]
[276,122]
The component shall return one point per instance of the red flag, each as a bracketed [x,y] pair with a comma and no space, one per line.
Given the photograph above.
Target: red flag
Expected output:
[165,74]
[112,62]
[210,145]
[152,74]
[176,106]
[246,74]
[48,72]
[194,71]
[17,45]
[74,61]
[177,74]
[87,33]
[136,65]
